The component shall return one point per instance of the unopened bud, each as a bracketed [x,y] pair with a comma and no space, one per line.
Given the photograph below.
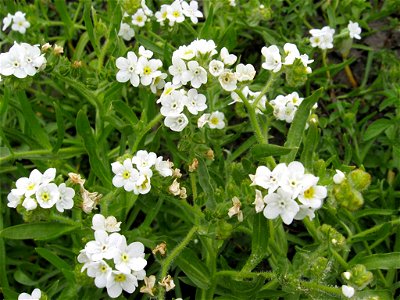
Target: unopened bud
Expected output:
[360,179]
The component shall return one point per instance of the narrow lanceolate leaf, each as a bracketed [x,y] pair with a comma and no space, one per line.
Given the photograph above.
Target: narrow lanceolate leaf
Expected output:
[265,150]
[296,130]
[376,128]
[32,125]
[260,237]
[89,26]
[60,127]
[123,109]
[309,146]
[97,165]
[58,263]
[36,231]
[383,261]
[205,183]
[61,7]
[194,268]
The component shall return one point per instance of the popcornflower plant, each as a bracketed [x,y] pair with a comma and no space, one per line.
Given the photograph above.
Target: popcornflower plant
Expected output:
[215,149]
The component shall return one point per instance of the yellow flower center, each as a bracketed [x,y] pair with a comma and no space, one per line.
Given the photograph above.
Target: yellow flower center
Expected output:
[146,71]
[45,196]
[126,174]
[120,278]
[309,194]
[214,121]
[176,14]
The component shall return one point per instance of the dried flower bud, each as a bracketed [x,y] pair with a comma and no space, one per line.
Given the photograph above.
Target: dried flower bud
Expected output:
[148,288]
[168,283]
[46,47]
[77,64]
[182,193]
[174,188]
[176,173]
[162,248]
[90,200]
[58,49]
[194,165]
[210,154]
[76,178]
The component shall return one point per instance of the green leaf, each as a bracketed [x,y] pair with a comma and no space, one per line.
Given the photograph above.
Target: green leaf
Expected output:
[89,26]
[33,126]
[205,183]
[61,7]
[296,130]
[60,127]
[24,279]
[375,294]
[195,269]
[376,128]
[97,165]
[58,263]
[240,289]
[260,236]
[309,146]
[265,150]
[123,109]
[36,231]
[384,261]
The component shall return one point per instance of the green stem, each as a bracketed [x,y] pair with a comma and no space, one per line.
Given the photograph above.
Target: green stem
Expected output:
[252,262]
[270,81]
[102,55]
[172,255]
[322,288]
[148,127]
[311,228]
[243,275]
[194,186]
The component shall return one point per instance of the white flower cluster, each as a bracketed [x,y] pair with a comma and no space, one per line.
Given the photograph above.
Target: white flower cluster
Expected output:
[285,107]
[36,295]
[39,189]
[323,38]
[143,70]
[106,252]
[273,60]
[22,60]
[177,11]
[251,97]
[292,194]
[215,120]
[138,179]
[18,20]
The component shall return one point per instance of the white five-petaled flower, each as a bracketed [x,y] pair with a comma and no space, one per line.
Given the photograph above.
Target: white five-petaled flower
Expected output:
[104,246]
[216,120]
[177,70]
[191,10]
[196,74]
[125,175]
[129,257]
[66,198]
[280,203]
[173,104]
[228,80]
[36,295]
[312,194]
[195,102]
[354,30]
[175,13]
[143,184]
[268,179]
[118,281]
[272,58]
[144,160]
[99,270]
[227,59]
[164,167]
[291,53]
[245,72]
[126,32]
[20,23]
[148,69]
[128,69]
[216,67]
[176,123]
[139,18]
[47,195]
[7,21]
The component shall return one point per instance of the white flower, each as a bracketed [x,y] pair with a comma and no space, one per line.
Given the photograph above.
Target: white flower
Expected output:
[177,70]
[216,67]
[313,194]
[13,199]
[7,21]
[291,53]
[339,177]
[104,246]
[109,224]
[354,30]
[305,211]
[294,99]
[127,69]
[175,13]
[195,102]
[125,175]
[245,72]
[176,123]
[280,203]
[20,23]
[196,74]
[144,160]
[47,195]
[145,8]
[322,38]
[36,294]
[203,120]
[259,202]
[204,47]
[158,83]
[192,11]
[143,184]
[66,195]
[99,270]
[294,182]
[173,104]
[168,89]
[129,258]
[272,58]
[164,167]
[227,59]
[148,69]
[118,281]
[139,18]
[126,32]
[216,120]
[228,80]
[268,179]
[348,291]
[144,52]
[13,63]
[29,203]
[185,52]
[162,14]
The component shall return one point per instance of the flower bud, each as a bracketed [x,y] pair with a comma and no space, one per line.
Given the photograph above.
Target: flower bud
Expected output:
[360,276]
[348,197]
[360,179]
[332,236]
